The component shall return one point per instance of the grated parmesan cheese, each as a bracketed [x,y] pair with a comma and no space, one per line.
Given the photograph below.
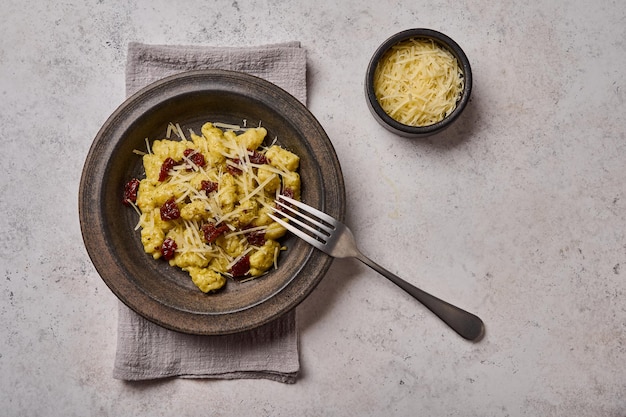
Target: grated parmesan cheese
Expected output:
[418,83]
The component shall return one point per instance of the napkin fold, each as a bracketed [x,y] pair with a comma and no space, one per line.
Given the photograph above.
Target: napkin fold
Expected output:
[147,351]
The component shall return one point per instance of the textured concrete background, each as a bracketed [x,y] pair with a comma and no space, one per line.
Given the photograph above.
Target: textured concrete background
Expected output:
[517,213]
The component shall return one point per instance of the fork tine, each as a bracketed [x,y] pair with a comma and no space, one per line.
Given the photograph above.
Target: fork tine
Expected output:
[317,213]
[302,225]
[309,220]
[293,229]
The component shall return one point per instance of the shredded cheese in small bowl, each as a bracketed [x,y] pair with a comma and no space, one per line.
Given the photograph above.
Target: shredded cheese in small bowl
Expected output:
[418,82]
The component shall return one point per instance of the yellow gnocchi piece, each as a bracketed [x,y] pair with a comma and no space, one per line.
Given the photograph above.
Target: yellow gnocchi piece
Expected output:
[262,218]
[252,138]
[186,260]
[282,158]
[268,175]
[246,213]
[150,196]
[263,258]
[152,164]
[227,192]
[215,143]
[233,245]
[169,148]
[196,210]
[275,231]
[152,239]
[292,182]
[205,279]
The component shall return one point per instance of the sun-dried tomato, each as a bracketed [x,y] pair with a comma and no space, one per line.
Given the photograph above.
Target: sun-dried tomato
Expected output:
[256,238]
[287,192]
[195,157]
[167,165]
[233,170]
[130,192]
[257,157]
[168,248]
[211,232]
[208,186]
[170,210]
[242,267]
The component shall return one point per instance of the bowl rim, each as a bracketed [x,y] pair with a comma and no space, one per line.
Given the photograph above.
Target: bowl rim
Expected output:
[417,131]
[94,229]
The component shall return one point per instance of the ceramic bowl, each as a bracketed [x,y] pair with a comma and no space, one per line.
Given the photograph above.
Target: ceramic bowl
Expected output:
[417,131]
[152,288]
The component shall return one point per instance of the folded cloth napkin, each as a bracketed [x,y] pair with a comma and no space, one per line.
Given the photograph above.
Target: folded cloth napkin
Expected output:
[147,351]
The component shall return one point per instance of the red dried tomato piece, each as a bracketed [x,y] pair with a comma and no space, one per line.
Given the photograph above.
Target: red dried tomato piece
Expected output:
[242,267]
[287,192]
[256,238]
[211,232]
[168,248]
[257,157]
[208,186]
[194,156]
[234,170]
[130,192]
[170,210]
[167,165]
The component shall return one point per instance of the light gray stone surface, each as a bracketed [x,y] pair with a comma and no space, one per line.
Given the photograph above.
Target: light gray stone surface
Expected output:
[517,213]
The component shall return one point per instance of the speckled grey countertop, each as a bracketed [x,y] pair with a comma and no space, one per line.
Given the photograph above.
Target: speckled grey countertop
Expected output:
[517,213]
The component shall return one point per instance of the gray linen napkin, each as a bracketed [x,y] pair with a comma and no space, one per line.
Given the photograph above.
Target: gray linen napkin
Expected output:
[148,351]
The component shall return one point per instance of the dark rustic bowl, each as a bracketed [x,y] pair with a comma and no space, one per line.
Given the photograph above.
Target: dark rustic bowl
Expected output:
[164,294]
[390,123]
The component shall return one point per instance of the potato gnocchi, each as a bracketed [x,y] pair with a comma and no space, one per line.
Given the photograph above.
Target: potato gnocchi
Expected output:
[203,203]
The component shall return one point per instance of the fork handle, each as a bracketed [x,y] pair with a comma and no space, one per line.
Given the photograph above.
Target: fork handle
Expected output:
[464,323]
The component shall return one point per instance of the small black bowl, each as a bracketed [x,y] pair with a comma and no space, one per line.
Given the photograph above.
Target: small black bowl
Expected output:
[417,131]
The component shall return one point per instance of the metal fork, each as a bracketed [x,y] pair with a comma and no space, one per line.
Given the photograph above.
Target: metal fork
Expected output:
[334,238]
